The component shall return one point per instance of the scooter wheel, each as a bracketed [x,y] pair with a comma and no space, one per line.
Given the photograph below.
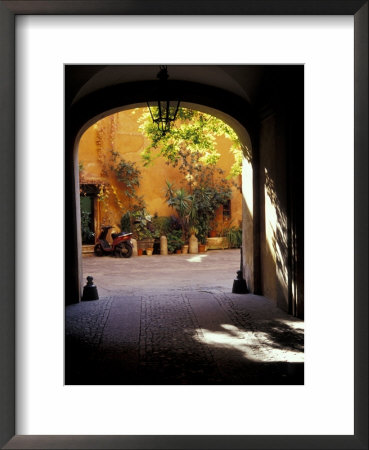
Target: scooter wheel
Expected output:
[123,251]
[98,250]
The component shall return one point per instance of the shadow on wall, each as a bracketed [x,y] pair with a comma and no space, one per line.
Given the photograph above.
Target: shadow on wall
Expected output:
[276,240]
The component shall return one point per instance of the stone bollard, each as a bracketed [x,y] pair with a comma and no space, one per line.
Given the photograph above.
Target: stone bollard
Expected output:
[239,284]
[193,244]
[163,245]
[90,290]
[134,245]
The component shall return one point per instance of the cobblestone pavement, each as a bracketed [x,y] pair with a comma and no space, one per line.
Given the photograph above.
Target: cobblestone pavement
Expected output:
[180,326]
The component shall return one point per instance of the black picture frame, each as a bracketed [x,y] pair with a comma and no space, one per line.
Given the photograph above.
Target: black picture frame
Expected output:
[8,11]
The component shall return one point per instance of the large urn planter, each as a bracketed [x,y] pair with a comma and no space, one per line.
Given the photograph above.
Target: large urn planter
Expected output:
[217,243]
[145,243]
[193,244]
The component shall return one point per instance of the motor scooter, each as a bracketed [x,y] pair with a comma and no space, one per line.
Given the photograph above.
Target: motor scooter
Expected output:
[120,247]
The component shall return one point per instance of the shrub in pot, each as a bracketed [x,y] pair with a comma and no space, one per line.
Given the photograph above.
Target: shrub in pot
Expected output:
[234,236]
[143,229]
[175,240]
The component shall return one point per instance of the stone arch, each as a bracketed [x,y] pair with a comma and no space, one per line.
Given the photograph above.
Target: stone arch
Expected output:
[268,102]
[230,108]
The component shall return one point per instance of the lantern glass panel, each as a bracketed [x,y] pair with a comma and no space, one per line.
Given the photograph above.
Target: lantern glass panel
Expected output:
[163,112]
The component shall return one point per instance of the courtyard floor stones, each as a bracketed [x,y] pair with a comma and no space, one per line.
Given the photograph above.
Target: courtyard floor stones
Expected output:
[173,320]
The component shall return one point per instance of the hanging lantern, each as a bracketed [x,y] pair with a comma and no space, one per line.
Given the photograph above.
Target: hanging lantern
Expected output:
[163,111]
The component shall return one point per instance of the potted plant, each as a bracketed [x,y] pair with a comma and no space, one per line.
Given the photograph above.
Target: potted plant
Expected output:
[175,241]
[234,236]
[161,225]
[181,201]
[142,229]
[214,232]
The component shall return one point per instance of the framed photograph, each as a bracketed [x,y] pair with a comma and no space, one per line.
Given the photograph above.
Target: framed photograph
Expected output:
[291,73]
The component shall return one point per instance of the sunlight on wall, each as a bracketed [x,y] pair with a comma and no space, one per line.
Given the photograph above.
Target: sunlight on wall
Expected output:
[282,271]
[247,184]
[270,223]
[255,346]
[276,232]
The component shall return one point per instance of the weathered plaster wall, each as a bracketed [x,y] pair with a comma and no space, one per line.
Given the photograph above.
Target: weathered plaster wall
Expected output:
[273,211]
[120,132]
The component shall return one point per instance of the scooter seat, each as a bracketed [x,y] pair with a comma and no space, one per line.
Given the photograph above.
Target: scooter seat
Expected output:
[122,233]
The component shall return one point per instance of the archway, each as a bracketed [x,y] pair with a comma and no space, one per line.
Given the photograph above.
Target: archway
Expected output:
[81,117]
[118,139]
[274,216]
[272,139]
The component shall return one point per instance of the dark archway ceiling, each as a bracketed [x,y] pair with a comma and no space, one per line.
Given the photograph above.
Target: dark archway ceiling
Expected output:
[242,80]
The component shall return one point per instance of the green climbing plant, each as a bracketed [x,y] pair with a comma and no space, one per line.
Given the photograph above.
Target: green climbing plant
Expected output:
[193,131]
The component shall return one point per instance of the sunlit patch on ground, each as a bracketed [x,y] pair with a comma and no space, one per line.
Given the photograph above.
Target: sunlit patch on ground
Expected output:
[197,258]
[254,345]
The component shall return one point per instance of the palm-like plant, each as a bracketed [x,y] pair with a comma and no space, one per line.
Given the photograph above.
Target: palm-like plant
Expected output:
[205,207]
[182,202]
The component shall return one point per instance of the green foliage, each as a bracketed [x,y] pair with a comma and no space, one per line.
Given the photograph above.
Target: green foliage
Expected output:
[194,131]
[191,147]
[125,222]
[127,173]
[181,201]
[175,240]
[161,225]
[88,236]
[234,236]
[141,220]
[207,190]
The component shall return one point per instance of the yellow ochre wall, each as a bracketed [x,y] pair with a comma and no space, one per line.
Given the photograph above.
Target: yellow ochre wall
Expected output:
[120,132]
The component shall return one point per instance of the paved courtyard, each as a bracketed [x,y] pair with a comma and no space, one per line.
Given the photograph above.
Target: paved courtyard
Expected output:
[173,320]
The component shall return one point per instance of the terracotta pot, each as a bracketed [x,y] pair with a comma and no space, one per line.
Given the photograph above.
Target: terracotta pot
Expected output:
[149,251]
[178,252]
[185,249]
[139,251]
[202,248]
[213,233]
